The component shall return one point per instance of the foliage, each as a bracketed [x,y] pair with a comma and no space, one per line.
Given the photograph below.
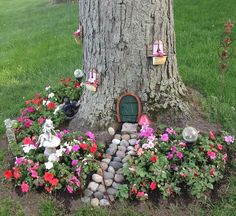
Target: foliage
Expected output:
[47,208]
[8,207]
[122,192]
[167,164]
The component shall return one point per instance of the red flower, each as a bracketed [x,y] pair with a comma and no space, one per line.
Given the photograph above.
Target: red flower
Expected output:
[196,174]
[24,187]
[211,154]
[220,147]
[93,148]
[51,105]
[8,174]
[48,176]
[140,194]
[84,146]
[153,159]
[54,182]
[27,141]
[77,85]
[65,81]
[48,189]
[153,185]
[16,172]
[211,135]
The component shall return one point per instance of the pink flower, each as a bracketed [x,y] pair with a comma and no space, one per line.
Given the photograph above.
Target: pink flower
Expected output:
[220,147]
[170,155]
[211,135]
[30,109]
[170,131]
[164,137]
[69,189]
[74,162]
[24,187]
[146,131]
[60,135]
[211,154]
[34,174]
[28,123]
[140,194]
[75,148]
[153,185]
[90,135]
[225,157]
[19,160]
[140,152]
[229,139]
[20,119]
[173,148]
[180,155]
[27,141]
[182,144]
[41,120]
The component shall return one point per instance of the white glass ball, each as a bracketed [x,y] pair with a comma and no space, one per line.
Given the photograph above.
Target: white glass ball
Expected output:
[190,134]
[78,73]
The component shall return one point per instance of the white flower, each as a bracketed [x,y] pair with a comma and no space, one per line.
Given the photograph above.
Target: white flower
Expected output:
[47,88]
[44,102]
[57,109]
[48,102]
[51,95]
[48,165]
[53,158]
[27,148]
[60,151]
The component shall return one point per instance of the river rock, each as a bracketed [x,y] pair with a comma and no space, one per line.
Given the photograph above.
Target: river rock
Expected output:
[124,143]
[125,137]
[116,141]
[122,148]
[108,182]
[117,136]
[120,154]
[133,136]
[116,185]
[98,195]
[111,191]
[132,142]
[119,171]
[88,193]
[108,175]
[85,199]
[131,153]
[111,169]
[97,178]
[104,166]
[130,148]
[101,188]
[116,165]
[106,160]
[104,202]
[117,159]
[111,151]
[111,131]
[93,186]
[126,158]
[119,178]
[95,202]
[129,128]
[112,198]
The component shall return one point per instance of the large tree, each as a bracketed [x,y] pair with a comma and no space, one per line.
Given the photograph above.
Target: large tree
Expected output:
[115,36]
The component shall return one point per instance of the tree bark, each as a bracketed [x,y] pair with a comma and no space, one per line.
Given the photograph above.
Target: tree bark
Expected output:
[115,36]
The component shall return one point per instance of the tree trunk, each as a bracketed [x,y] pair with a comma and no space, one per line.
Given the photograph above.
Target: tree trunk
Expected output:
[115,36]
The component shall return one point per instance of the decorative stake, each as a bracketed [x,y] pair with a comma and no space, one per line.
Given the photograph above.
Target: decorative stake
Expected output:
[93,81]
[78,35]
[156,51]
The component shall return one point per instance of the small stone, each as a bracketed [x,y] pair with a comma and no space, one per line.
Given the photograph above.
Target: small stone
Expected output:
[116,165]
[112,198]
[133,136]
[111,131]
[132,142]
[108,175]
[108,182]
[85,199]
[120,154]
[125,137]
[116,141]
[131,153]
[112,145]
[122,148]
[124,143]
[119,171]
[130,148]
[111,191]
[101,188]
[104,166]
[95,202]
[93,186]
[111,169]
[106,160]
[107,156]
[117,136]
[104,202]
[97,178]
[126,158]
[116,185]
[129,128]
[88,193]
[117,159]
[100,172]
[119,178]
[111,151]
[98,195]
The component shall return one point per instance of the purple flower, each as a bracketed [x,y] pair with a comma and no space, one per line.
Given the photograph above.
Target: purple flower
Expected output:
[69,189]
[90,135]
[173,148]
[180,155]
[75,148]
[170,155]
[165,137]
[175,167]
[74,162]
[146,131]
[229,139]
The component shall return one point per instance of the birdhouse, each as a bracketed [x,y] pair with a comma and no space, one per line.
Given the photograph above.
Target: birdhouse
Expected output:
[156,51]
[92,81]
[78,35]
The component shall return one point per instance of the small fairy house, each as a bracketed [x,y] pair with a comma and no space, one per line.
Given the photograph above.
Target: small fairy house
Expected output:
[156,51]
[128,108]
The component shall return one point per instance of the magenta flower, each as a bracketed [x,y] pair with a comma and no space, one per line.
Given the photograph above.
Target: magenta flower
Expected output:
[170,155]
[75,148]
[173,148]
[90,135]
[24,187]
[74,162]
[28,123]
[170,131]
[20,119]
[229,139]
[19,160]
[146,131]
[140,194]
[30,109]
[34,174]
[69,189]
[211,154]
[164,137]
[41,120]
[180,155]
[60,135]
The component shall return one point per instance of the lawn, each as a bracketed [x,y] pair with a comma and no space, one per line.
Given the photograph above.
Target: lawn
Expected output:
[37,48]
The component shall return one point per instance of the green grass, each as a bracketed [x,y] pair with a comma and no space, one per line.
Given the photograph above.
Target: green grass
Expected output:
[10,208]
[37,48]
